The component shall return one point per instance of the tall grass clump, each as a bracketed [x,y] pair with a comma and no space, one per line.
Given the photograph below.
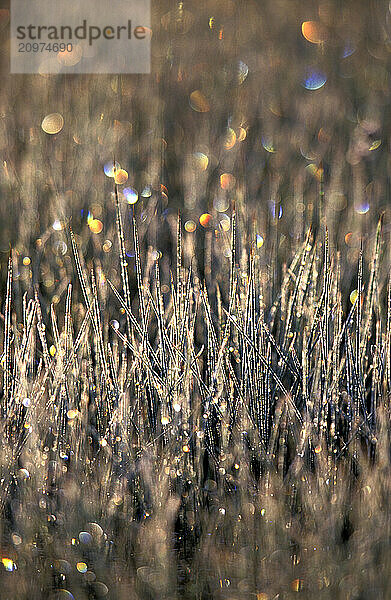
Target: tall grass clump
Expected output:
[165,437]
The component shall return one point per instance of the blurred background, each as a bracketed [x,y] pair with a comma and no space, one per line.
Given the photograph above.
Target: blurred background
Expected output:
[279,107]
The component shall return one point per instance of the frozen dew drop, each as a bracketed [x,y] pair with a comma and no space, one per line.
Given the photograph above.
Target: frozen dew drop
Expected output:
[81,567]
[85,537]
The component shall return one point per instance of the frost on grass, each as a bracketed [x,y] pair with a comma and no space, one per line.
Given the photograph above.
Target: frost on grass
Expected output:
[211,441]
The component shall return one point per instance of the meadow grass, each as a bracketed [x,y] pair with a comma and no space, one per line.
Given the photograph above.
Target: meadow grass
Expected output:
[195,376]
[207,442]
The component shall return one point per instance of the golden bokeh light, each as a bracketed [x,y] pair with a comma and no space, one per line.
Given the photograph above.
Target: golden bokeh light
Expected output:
[53,123]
